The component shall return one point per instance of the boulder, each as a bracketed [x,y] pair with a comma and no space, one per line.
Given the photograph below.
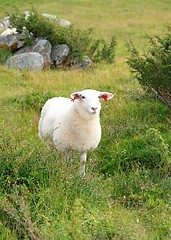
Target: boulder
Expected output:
[83,64]
[29,61]
[60,21]
[9,31]
[44,48]
[86,63]
[5,23]
[13,41]
[41,46]
[59,53]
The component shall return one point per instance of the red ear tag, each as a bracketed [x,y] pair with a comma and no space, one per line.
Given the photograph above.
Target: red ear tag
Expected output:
[104,97]
[72,100]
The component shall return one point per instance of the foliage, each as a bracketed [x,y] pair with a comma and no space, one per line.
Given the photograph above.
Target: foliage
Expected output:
[31,101]
[147,150]
[80,42]
[42,197]
[153,68]
[4,54]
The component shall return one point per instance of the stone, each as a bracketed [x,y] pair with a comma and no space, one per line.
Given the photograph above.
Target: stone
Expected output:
[13,41]
[60,21]
[63,22]
[29,61]
[9,31]
[5,23]
[59,53]
[83,64]
[86,62]
[41,46]
[44,48]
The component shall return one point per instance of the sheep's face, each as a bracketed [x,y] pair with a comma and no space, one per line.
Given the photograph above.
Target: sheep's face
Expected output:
[88,100]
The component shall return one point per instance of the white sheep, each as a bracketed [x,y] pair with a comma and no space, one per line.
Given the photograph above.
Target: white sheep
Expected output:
[73,124]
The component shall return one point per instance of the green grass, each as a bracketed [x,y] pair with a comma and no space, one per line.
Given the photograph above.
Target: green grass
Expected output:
[126,193]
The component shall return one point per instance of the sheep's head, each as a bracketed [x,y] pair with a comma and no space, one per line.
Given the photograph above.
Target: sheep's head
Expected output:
[88,100]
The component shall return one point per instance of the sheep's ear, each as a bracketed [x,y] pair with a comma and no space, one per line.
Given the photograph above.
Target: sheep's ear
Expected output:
[106,96]
[75,95]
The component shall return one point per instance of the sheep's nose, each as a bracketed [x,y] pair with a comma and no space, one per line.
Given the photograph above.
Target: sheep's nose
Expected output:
[94,109]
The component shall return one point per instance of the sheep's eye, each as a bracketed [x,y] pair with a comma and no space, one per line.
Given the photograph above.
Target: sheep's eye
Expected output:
[83,97]
[99,97]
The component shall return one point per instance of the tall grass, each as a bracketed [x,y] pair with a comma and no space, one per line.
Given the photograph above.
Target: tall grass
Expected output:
[126,193]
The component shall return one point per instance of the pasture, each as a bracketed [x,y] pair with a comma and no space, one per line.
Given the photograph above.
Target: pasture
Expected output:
[126,193]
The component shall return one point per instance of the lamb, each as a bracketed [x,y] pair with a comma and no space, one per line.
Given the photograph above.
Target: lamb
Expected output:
[73,124]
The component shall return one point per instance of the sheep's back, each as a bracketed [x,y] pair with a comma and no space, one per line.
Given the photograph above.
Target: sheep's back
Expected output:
[53,113]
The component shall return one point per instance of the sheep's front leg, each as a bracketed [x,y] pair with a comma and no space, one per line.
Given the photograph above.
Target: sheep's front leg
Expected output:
[82,163]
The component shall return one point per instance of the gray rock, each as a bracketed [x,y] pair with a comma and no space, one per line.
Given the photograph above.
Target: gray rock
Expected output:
[59,53]
[60,21]
[13,41]
[86,62]
[29,61]
[83,64]
[9,31]
[44,48]
[41,46]
[5,23]
[63,22]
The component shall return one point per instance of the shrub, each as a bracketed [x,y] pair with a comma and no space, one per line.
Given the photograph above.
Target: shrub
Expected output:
[80,42]
[153,68]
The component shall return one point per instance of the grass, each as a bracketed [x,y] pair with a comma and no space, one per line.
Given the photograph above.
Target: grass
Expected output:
[121,197]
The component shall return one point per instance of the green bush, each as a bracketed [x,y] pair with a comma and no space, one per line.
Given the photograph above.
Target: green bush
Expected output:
[153,68]
[80,42]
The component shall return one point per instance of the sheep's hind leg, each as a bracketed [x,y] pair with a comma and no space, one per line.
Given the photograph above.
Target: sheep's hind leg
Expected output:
[82,163]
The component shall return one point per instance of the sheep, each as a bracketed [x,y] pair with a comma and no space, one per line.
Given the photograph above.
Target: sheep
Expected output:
[73,124]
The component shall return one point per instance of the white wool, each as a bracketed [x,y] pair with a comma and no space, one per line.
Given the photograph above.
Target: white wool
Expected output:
[73,124]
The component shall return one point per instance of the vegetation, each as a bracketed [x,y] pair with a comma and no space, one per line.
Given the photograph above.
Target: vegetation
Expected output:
[126,193]
[153,68]
[4,55]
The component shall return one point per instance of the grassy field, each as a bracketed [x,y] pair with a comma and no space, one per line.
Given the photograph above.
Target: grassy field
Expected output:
[126,193]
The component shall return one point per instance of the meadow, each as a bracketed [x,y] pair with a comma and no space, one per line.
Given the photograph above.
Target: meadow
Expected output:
[126,193]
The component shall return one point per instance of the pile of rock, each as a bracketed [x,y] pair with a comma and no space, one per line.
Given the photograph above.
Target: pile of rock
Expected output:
[40,53]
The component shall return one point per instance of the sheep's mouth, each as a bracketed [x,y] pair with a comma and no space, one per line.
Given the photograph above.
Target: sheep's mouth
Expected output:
[93,112]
